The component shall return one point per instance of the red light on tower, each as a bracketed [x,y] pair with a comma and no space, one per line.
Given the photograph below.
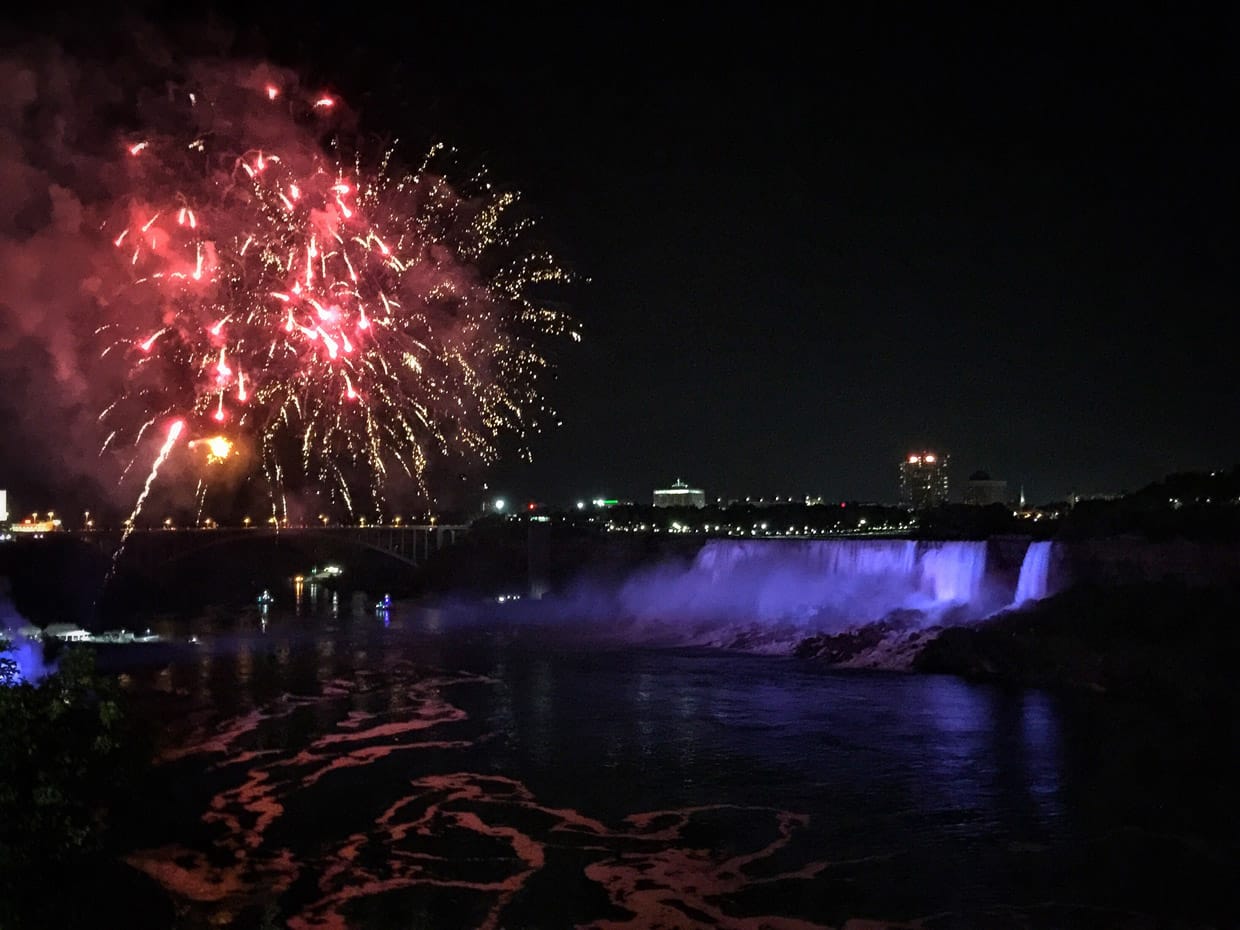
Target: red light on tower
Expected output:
[531,506]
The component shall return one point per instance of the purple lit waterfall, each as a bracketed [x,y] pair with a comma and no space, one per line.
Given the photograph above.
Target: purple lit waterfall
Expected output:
[1034,573]
[821,584]
[29,667]
[23,656]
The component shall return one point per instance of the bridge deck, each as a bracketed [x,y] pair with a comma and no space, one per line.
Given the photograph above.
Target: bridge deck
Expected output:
[409,543]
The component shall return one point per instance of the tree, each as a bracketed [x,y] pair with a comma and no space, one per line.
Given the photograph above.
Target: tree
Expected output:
[65,758]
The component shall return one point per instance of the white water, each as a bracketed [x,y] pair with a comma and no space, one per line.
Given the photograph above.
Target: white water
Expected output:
[1034,573]
[824,583]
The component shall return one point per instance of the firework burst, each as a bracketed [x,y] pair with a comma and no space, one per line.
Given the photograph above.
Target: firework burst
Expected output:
[342,321]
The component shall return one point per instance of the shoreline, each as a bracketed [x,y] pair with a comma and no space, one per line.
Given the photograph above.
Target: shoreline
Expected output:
[1150,641]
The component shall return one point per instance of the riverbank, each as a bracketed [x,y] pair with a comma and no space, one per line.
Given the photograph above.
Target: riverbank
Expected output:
[1152,640]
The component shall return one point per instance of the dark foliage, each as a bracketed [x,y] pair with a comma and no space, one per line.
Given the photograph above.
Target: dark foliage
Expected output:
[1148,641]
[68,758]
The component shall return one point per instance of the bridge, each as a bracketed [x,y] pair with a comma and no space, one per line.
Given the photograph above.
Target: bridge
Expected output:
[412,544]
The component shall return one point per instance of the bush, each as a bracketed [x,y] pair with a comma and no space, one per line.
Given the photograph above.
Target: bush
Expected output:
[66,757]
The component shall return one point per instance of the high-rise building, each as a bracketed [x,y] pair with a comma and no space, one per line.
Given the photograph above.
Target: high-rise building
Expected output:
[923,480]
[4,505]
[981,490]
[679,495]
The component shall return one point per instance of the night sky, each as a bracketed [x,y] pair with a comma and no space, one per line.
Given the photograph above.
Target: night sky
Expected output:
[815,242]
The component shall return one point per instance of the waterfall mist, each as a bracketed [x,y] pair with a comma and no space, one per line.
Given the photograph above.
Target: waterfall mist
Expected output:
[775,592]
[17,647]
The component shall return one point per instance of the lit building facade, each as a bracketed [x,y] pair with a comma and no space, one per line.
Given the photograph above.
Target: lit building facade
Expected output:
[36,527]
[981,490]
[679,495]
[4,505]
[923,480]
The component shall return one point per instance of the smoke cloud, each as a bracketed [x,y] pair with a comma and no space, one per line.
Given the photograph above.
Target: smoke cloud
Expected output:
[50,178]
[76,176]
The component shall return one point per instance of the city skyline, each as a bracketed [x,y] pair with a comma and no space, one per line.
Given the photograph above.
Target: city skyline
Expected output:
[1001,237]
[925,479]
[960,477]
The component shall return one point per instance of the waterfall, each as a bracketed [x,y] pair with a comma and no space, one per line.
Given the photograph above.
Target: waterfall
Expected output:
[1034,573]
[954,571]
[832,583]
[24,655]
[27,657]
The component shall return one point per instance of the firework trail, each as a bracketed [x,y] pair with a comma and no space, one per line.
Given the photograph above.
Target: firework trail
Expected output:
[337,321]
[174,433]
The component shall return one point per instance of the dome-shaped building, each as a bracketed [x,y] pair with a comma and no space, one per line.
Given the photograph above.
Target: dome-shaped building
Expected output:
[982,490]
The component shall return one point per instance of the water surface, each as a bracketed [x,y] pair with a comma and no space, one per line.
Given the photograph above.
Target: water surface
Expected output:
[419,770]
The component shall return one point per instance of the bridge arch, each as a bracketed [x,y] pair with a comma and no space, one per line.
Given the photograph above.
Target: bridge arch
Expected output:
[297,543]
[231,565]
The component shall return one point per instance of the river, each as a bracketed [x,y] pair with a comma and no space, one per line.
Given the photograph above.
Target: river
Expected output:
[420,769]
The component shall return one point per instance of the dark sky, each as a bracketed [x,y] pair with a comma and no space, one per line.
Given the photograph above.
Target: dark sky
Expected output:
[817,241]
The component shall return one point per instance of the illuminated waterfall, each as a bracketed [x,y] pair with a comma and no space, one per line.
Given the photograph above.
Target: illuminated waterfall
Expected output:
[826,583]
[1034,573]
